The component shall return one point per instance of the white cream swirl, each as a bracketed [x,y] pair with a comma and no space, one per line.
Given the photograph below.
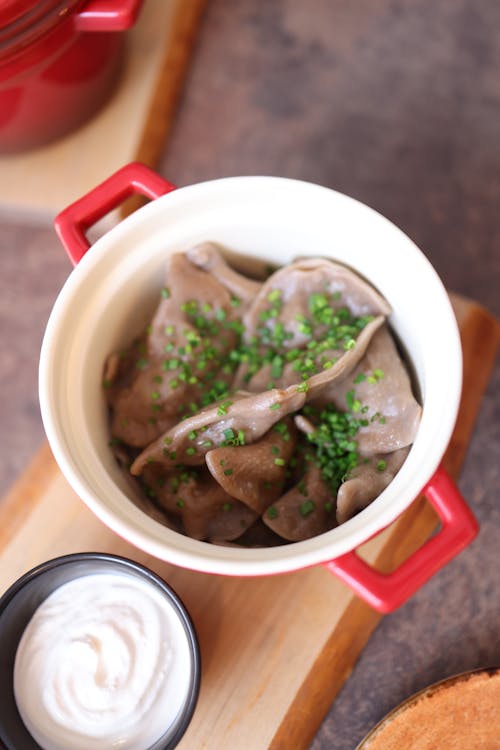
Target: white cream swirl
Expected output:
[103,663]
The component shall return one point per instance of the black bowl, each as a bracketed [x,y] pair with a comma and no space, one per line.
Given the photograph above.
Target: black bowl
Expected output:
[17,607]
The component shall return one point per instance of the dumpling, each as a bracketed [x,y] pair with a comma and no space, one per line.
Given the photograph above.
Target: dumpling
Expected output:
[182,357]
[203,506]
[255,474]
[366,481]
[306,510]
[245,417]
[312,318]
[379,391]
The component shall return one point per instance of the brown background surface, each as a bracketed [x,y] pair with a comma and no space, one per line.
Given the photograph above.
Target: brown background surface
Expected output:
[397,104]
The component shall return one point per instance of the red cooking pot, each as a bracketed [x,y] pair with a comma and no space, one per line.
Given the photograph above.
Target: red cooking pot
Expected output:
[59,61]
[108,299]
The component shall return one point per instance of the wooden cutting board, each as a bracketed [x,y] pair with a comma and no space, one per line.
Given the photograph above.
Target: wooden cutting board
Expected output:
[275,651]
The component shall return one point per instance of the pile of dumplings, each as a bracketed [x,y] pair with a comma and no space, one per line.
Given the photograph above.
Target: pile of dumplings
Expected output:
[216,408]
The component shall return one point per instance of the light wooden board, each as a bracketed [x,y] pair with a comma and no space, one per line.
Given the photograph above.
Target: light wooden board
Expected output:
[275,651]
[37,184]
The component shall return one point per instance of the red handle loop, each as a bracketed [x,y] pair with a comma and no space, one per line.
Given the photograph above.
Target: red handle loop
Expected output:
[107,15]
[72,223]
[386,592]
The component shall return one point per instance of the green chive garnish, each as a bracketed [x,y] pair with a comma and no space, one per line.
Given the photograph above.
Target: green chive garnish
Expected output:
[306,508]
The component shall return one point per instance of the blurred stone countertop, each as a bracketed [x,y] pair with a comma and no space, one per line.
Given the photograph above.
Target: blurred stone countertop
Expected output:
[397,104]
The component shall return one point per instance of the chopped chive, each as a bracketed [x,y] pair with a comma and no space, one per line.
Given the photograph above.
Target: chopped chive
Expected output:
[306,508]
[272,512]
[226,507]
[190,451]
[302,488]
[274,295]
[279,461]
[381,465]
[228,472]
[223,407]
[165,292]
[275,406]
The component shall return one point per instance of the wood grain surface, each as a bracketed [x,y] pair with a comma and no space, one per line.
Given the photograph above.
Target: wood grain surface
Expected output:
[275,650]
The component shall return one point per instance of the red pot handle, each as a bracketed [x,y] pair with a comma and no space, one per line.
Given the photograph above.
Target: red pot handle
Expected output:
[386,592]
[107,15]
[72,223]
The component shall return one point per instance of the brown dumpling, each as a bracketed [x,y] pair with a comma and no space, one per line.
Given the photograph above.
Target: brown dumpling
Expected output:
[203,505]
[366,481]
[255,474]
[174,363]
[381,385]
[304,511]
[251,414]
[281,311]
[207,256]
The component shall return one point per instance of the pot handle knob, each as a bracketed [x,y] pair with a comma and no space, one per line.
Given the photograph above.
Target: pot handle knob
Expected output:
[386,592]
[107,15]
[132,179]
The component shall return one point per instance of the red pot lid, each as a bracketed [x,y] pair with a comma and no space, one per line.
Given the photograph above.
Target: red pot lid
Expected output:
[24,13]
[23,21]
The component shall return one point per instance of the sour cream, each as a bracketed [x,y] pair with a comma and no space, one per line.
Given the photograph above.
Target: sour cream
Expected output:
[104,662]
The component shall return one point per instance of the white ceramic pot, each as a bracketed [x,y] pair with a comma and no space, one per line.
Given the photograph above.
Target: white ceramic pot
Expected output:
[111,293]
